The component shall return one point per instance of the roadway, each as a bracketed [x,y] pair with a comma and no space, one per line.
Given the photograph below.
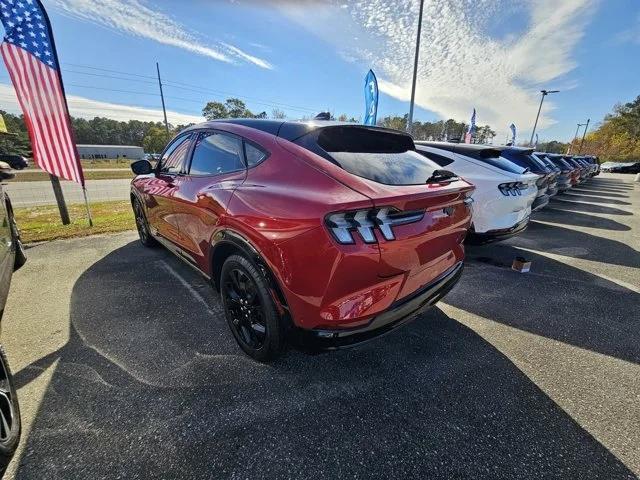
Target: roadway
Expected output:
[31,194]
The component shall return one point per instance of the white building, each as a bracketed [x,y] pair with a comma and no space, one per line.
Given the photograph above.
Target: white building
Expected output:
[110,151]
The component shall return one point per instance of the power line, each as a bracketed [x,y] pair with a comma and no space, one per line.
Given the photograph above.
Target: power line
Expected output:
[177,84]
[199,89]
[106,76]
[110,71]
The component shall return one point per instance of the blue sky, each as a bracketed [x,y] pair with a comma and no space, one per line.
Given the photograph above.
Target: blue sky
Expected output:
[303,57]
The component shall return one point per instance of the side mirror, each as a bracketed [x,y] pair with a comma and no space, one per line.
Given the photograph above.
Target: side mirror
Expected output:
[142,167]
[5,171]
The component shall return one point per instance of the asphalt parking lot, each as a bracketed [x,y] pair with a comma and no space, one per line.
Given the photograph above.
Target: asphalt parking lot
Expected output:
[126,368]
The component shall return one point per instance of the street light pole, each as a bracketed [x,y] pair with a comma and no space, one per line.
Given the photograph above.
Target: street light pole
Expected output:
[415,70]
[574,137]
[544,94]
[584,135]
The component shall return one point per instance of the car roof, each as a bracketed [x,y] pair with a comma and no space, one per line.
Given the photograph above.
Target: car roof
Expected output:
[287,129]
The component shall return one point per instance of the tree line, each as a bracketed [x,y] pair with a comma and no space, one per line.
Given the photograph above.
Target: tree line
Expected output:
[617,138]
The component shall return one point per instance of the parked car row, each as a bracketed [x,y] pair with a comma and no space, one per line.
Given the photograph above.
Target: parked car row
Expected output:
[511,182]
[326,234]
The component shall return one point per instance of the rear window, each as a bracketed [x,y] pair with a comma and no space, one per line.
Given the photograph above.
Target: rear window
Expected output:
[382,156]
[502,164]
[406,168]
[524,160]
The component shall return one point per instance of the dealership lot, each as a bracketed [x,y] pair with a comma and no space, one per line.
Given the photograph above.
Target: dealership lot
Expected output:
[126,368]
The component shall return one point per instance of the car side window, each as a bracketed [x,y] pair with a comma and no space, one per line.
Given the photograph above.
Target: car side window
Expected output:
[216,153]
[434,157]
[172,161]
[253,154]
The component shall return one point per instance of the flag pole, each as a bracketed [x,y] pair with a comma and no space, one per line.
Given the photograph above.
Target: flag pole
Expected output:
[86,202]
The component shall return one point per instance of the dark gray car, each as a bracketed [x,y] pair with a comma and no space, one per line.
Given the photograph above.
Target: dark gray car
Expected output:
[12,257]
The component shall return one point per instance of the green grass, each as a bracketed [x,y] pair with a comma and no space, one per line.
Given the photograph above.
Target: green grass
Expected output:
[42,223]
[106,163]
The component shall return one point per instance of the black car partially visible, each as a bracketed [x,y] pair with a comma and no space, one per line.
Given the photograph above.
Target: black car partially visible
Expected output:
[631,168]
[12,257]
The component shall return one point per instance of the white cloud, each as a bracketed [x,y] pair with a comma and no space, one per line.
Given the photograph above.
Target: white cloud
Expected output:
[462,64]
[136,18]
[87,108]
[249,58]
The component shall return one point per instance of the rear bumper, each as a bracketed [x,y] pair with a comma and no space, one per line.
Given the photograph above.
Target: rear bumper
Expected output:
[399,313]
[496,235]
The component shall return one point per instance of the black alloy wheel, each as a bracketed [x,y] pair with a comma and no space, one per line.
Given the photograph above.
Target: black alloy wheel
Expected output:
[9,414]
[250,310]
[143,226]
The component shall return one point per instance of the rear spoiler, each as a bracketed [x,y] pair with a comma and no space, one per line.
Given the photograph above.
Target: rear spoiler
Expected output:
[469,150]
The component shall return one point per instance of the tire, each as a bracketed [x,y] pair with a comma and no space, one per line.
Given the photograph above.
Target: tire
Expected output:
[142,225]
[21,254]
[250,311]
[10,425]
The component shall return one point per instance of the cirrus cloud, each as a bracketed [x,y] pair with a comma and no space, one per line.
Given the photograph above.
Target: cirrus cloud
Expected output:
[136,18]
[463,63]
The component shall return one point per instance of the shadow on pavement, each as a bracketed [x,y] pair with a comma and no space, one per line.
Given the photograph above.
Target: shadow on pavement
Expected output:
[606,189]
[578,197]
[554,300]
[573,243]
[152,385]
[587,207]
[589,193]
[554,214]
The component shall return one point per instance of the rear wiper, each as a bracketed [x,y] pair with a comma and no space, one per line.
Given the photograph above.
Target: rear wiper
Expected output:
[442,176]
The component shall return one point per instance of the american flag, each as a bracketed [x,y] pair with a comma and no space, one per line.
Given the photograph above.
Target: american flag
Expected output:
[30,56]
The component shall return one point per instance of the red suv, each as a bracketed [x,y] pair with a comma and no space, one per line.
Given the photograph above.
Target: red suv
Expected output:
[319,234]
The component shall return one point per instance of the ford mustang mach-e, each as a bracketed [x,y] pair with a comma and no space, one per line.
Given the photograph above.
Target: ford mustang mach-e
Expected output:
[504,191]
[319,233]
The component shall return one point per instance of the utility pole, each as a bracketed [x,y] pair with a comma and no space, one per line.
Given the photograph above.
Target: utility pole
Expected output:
[544,94]
[164,110]
[415,70]
[586,127]
[62,206]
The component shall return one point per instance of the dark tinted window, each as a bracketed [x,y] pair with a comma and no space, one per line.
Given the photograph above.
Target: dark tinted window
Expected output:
[502,164]
[173,158]
[383,156]
[216,153]
[439,159]
[523,160]
[406,168]
[253,154]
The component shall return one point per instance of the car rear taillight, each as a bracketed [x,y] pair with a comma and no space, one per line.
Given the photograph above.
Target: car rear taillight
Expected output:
[512,188]
[343,224]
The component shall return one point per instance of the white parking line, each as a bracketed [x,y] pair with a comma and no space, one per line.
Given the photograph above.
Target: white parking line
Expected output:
[186,284]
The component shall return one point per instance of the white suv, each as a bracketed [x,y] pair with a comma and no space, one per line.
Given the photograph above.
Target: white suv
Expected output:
[504,191]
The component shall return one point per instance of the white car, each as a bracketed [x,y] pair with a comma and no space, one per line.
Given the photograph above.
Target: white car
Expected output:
[504,191]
